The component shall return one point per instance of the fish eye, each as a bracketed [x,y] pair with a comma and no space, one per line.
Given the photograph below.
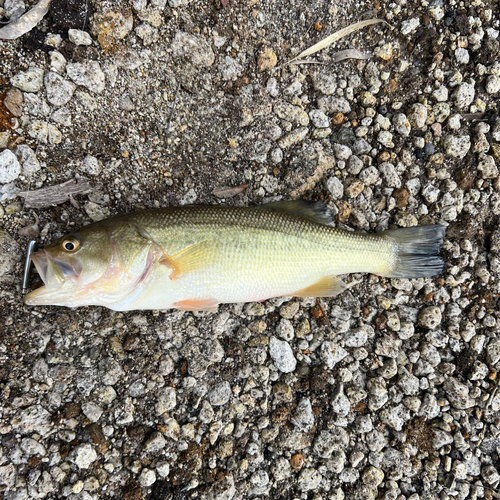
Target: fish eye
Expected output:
[71,245]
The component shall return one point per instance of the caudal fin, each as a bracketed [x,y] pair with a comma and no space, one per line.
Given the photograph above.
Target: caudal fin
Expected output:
[417,251]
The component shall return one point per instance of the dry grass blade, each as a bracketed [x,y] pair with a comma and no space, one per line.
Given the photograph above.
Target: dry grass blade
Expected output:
[342,55]
[229,192]
[326,42]
[26,22]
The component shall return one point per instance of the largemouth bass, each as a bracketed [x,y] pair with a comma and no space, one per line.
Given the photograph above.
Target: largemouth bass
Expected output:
[197,257]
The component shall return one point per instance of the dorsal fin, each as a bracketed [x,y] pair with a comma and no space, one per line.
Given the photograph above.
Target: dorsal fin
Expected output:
[315,211]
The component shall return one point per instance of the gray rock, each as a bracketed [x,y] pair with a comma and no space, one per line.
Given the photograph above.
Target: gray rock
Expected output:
[395,416]
[303,418]
[493,351]
[230,68]
[327,442]
[487,167]
[177,3]
[291,113]
[462,55]
[32,419]
[32,447]
[441,438]
[493,84]
[92,411]
[147,477]
[155,443]
[194,48]
[62,116]
[27,157]
[35,105]
[340,402]
[309,479]
[417,115]
[331,353]
[401,124]
[8,476]
[334,104]
[319,119]
[282,355]
[490,474]
[59,91]
[83,455]
[385,138]
[125,103]
[281,468]
[363,424]
[325,83]
[293,137]
[166,400]
[220,394]
[112,372]
[342,152]
[376,441]
[285,329]
[430,317]
[464,95]
[90,165]
[369,175]
[390,175]
[457,394]
[79,37]
[88,75]
[28,81]
[10,169]
[163,469]
[335,187]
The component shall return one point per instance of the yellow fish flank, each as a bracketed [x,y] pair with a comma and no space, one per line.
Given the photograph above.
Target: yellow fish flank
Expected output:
[197,257]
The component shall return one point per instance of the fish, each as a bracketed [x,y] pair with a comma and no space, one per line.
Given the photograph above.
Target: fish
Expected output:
[197,257]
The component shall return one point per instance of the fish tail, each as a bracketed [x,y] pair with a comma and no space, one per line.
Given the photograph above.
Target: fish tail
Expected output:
[416,251]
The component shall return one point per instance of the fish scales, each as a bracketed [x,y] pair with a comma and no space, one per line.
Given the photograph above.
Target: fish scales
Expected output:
[196,257]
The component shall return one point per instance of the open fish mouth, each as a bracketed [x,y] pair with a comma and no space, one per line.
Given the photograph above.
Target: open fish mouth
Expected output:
[58,277]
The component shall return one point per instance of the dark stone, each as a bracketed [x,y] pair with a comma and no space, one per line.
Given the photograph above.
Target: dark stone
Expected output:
[420,154]
[463,24]
[429,149]
[382,110]
[449,17]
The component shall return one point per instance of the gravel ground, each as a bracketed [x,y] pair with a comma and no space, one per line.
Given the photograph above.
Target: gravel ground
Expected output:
[387,391]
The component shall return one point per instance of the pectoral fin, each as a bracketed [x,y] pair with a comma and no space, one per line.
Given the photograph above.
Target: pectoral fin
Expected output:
[197,305]
[329,286]
[188,259]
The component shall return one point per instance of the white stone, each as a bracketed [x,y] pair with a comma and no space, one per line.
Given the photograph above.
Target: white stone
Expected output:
[92,411]
[30,80]
[282,355]
[79,37]
[83,456]
[493,84]
[147,477]
[10,169]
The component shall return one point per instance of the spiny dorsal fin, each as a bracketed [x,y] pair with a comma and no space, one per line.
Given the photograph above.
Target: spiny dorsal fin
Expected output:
[315,211]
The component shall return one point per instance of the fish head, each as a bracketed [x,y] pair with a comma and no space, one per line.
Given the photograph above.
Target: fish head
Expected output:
[72,266]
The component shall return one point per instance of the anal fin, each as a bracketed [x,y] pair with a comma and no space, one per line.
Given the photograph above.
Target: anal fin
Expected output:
[197,305]
[329,286]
